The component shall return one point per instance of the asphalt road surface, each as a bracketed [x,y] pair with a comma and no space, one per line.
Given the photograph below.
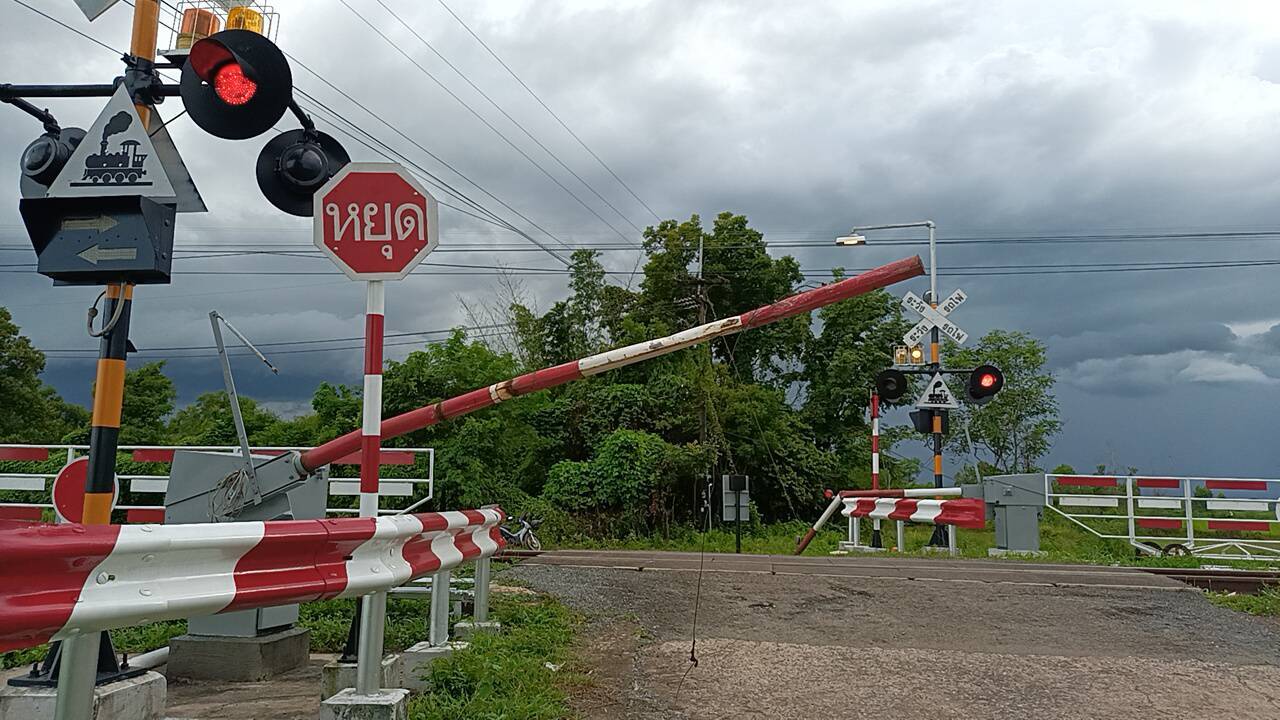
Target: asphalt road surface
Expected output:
[852,637]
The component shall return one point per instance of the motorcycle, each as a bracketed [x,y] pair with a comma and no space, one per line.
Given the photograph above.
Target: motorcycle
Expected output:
[523,535]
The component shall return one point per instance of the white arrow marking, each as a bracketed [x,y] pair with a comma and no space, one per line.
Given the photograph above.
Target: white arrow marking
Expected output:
[102,223]
[95,254]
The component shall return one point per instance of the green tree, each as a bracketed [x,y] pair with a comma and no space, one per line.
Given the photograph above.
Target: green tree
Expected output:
[1015,429]
[148,400]
[208,421]
[30,411]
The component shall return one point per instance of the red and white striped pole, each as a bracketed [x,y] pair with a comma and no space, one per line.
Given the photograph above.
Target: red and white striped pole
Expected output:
[875,463]
[371,427]
[373,607]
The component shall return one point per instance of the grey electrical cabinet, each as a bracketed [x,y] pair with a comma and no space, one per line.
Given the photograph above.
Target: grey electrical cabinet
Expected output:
[1016,502]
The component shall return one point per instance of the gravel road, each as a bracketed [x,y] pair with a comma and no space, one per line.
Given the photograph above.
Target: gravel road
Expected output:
[773,646]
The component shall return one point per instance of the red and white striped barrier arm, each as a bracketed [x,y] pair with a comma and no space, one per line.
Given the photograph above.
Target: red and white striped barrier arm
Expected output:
[797,304]
[961,512]
[57,581]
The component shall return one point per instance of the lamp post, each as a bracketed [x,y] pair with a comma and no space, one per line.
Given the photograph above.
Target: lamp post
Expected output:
[855,238]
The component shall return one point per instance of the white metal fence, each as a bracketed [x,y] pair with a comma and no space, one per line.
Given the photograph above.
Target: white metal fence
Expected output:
[34,487]
[1221,518]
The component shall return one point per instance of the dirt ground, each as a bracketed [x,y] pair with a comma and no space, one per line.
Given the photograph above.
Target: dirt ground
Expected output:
[774,646]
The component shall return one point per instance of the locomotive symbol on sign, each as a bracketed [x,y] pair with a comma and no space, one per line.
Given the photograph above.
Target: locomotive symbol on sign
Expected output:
[126,167]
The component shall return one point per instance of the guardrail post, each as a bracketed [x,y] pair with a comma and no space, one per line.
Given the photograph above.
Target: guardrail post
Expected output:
[902,536]
[951,540]
[481,613]
[855,530]
[77,675]
[439,623]
[373,618]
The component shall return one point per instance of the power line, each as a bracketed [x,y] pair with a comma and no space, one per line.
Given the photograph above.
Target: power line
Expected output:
[551,112]
[81,33]
[481,118]
[507,115]
[293,342]
[146,354]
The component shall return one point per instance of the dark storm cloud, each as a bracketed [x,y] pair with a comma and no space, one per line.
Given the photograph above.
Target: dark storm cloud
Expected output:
[992,120]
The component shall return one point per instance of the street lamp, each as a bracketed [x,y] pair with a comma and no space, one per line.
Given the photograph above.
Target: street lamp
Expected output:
[855,238]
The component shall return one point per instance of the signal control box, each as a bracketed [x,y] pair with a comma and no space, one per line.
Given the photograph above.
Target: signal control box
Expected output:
[98,240]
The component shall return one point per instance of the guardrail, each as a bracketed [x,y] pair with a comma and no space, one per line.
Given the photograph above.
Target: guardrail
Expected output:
[60,581]
[903,505]
[1199,515]
[36,484]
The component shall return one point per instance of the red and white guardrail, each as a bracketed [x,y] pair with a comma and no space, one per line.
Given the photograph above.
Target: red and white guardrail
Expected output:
[57,581]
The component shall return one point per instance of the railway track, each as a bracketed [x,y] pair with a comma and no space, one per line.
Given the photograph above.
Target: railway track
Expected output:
[1249,582]
[1206,578]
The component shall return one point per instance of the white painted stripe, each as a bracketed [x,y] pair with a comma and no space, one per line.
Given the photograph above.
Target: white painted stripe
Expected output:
[18,482]
[927,511]
[148,485]
[1159,504]
[875,463]
[623,356]
[163,572]
[1100,501]
[493,394]
[352,488]
[1251,505]
[378,563]
[372,420]
[376,298]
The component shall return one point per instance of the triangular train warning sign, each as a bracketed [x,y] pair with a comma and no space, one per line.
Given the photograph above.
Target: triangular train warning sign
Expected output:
[937,395]
[116,157]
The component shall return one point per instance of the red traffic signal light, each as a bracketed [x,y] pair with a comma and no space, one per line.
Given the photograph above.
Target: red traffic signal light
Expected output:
[236,84]
[984,382]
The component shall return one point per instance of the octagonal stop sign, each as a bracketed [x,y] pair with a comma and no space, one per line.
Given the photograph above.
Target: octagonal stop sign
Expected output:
[375,220]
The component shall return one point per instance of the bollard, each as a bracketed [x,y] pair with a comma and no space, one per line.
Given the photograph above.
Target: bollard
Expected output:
[902,536]
[438,634]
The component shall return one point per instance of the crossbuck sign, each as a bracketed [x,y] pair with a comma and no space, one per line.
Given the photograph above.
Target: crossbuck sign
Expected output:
[934,317]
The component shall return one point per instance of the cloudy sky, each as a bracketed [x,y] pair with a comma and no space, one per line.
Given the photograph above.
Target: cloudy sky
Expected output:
[1127,133]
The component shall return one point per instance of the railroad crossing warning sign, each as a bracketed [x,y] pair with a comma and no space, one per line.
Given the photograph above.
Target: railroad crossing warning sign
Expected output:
[116,157]
[934,317]
[937,395]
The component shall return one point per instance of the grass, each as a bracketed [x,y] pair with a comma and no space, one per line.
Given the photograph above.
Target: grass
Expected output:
[132,640]
[508,676]
[1265,603]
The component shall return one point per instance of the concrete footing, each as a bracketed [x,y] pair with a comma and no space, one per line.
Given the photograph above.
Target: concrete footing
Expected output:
[139,698]
[848,547]
[242,659]
[463,630]
[1002,552]
[418,660]
[338,676]
[384,705]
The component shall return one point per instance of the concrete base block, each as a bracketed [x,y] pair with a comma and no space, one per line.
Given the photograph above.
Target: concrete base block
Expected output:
[338,676]
[239,659]
[848,547]
[937,550]
[1002,552]
[465,629]
[418,659]
[139,698]
[385,705]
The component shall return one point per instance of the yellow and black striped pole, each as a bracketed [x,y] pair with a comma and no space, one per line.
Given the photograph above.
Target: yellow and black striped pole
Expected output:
[939,536]
[108,400]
